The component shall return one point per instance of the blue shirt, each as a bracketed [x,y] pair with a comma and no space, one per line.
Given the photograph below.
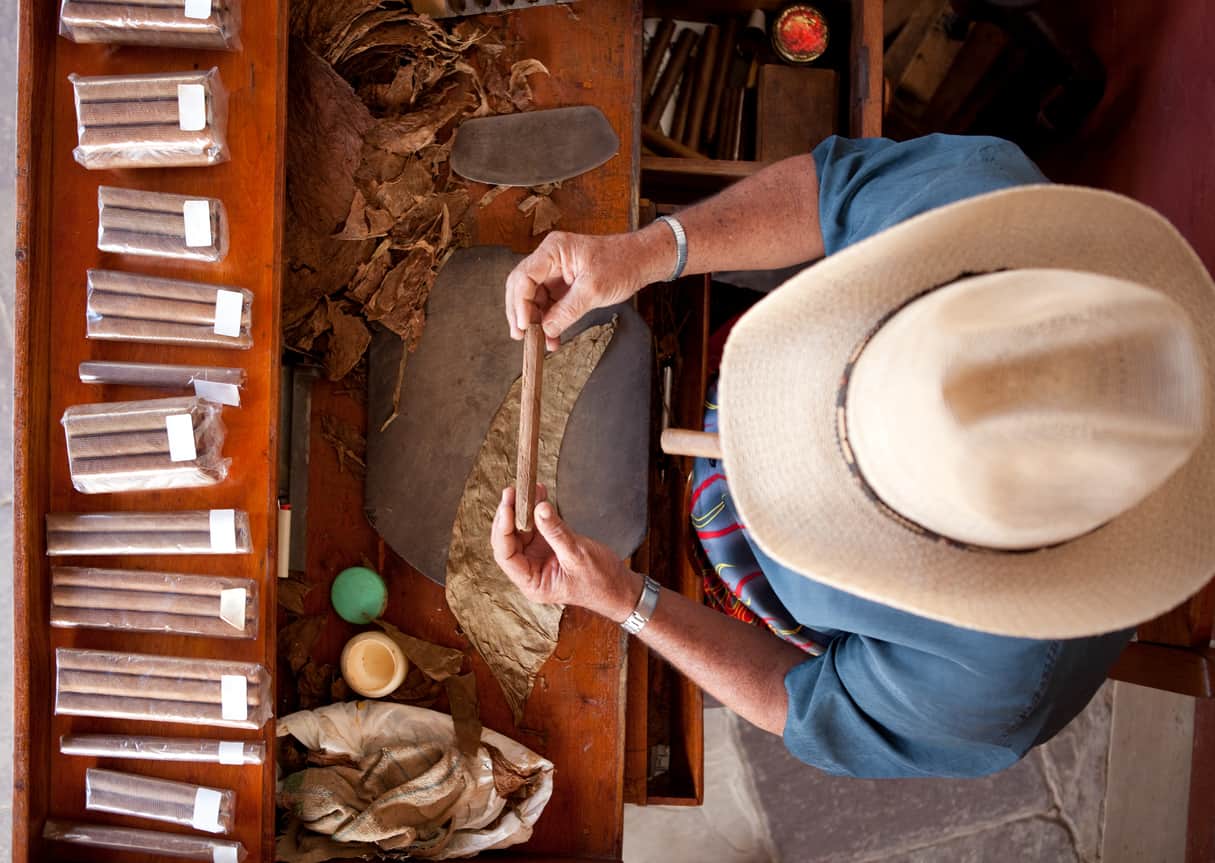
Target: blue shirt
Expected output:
[897,695]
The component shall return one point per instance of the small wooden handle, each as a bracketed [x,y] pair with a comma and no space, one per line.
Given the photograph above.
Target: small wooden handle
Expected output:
[697,444]
[529,426]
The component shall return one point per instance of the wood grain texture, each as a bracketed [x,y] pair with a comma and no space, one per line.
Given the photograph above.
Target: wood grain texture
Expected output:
[57,241]
[575,715]
[797,110]
[529,426]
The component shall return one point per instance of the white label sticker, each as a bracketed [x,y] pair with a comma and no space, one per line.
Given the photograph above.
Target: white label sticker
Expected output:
[180,428]
[233,697]
[206,810]
[221,394]
[223,531]
[197,215]
[198,8]
[232,607]
[224,854]
[231,752]
[229,307]
[191,107]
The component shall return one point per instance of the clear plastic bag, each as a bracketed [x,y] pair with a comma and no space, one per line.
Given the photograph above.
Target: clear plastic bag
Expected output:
[153,602]
[162,120]
[195,750]
[156,224]
[162,688]
[183,803]
[209,24]
[132,308]
[201,848]
[214,531]
[145,445]
[213,383]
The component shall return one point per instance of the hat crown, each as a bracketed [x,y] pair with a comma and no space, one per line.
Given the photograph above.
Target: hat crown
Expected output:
[1024,408]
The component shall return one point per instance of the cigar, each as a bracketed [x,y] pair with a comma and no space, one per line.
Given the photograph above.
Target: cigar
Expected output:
[120,707]
[151,245]
[218,40]
[142,601]
[144,221]
[159,112]
[152,542]
[146,18]
[729,39]
[123,443]
[653,59]
[145,686]
[134,88]
[163,332]
[705,70]
[128,473]
[114,282]
[181,521]
[114,147]
[148,582]
[139,416]
[135,199]
[156,374]
[196,750]
[144,841]
[217,6]
[63,616]
[162,799]
[670,77]
[156,309]
[135,533]
[152,665]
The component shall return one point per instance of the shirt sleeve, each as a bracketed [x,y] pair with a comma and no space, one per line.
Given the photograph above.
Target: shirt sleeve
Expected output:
[870,184]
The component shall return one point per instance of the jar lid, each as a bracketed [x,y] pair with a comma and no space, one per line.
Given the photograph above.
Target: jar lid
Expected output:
[799,34]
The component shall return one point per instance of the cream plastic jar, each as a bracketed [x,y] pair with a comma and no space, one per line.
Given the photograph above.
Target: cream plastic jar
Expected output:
[373,665]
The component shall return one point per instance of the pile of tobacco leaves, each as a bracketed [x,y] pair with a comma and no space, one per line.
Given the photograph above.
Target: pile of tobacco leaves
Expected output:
[373,211]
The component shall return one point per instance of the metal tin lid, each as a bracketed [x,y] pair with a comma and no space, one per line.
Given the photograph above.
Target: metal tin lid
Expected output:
[799,34]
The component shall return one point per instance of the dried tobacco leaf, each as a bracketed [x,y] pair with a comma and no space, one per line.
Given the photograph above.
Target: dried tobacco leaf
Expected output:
[291,593]
[546,216]
[350,446]
[295,641]
[435,661]
[347,342]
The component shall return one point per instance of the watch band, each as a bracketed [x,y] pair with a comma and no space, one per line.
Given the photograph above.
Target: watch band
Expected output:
[681,246]
[641,615]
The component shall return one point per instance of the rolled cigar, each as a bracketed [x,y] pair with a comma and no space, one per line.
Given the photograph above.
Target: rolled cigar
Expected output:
[136,88]
[136,466]
[139,416]
[197,750]
[156,309]
[145,841]
[216,5]
[144,144]
[653,58]
[154,112]
[218,40]
[117,707]
[143,602]
[151,665]
[137,686]
[670,77]
[114,282]
[150,582]
[156,374]
[125,443]
[661,143]
[131,243]
[706,66]
[726,49]
[180,624]
[135,199]
[117,17]
[164,333]
[180,521]
[113,481]
[163,791]
[152,542]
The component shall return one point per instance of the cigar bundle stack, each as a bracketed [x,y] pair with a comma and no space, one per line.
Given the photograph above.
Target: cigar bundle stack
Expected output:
[216,531]
[132,308]
[211,24]
[193,750]
[163,688]
[203,849]
[153,602]
[206,809]
[162,120]
[138,446]
[132,222]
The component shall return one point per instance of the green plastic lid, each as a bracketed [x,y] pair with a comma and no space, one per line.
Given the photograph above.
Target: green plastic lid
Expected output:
[359,595]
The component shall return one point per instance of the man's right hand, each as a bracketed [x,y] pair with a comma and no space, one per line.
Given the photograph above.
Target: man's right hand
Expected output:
[568,275]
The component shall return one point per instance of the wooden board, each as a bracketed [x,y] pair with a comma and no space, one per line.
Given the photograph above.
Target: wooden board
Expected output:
[575,715]
[56,243]
[797,110]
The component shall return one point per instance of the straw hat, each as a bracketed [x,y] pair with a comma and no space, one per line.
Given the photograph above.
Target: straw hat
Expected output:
[992,415]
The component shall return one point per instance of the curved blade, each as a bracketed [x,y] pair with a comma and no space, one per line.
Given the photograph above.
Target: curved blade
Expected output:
[535,147]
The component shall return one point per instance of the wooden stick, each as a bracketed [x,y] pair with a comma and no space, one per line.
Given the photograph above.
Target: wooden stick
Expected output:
[653,59]
[698,444]
[660,142]
[683,103]
[705,70]
[529,426]
[670,77]
[729,39]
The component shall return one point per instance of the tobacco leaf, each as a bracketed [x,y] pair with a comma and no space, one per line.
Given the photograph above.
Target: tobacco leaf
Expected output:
[546,216]
[347,342]
[350,446]
[434,660]
[291,593]
[465,712]
[295,641]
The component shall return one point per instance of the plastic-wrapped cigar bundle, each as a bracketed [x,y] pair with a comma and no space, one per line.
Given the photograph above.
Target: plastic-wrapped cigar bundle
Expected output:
[154,842]
[130,308]
[161,688]
[162,120]
[195,750]
[197,806]
[153,602]
[213,383]
[132,222]
[213,24]
[144,445]
[214,531]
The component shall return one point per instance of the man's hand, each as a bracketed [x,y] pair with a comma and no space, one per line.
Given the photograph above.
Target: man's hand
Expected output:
[552,564]
[570,274]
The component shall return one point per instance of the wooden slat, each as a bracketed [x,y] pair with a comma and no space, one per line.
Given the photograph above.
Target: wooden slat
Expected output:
[1175,669]
[58,223]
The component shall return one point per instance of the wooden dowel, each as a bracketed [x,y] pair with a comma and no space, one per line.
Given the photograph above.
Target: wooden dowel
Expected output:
[653,58]
[65,616]
[661,143]
[150,665]
[705,68]
[684,44]
[725,54]
[698,444]
[164,333]
[150,582]
[529,426]
[683,102]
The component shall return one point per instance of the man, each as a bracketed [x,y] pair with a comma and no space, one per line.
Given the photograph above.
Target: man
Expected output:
[966,451]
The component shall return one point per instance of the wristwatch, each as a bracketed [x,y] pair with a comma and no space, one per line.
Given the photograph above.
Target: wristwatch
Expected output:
[641,615]
[681,246]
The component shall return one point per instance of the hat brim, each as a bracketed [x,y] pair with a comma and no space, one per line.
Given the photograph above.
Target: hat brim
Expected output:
[781,372]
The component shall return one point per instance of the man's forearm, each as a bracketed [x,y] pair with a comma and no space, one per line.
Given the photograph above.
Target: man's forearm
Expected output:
[742,666]
[767,221]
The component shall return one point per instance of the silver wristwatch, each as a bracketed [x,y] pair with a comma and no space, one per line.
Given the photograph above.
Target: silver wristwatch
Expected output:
[641,615]
[681,246]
